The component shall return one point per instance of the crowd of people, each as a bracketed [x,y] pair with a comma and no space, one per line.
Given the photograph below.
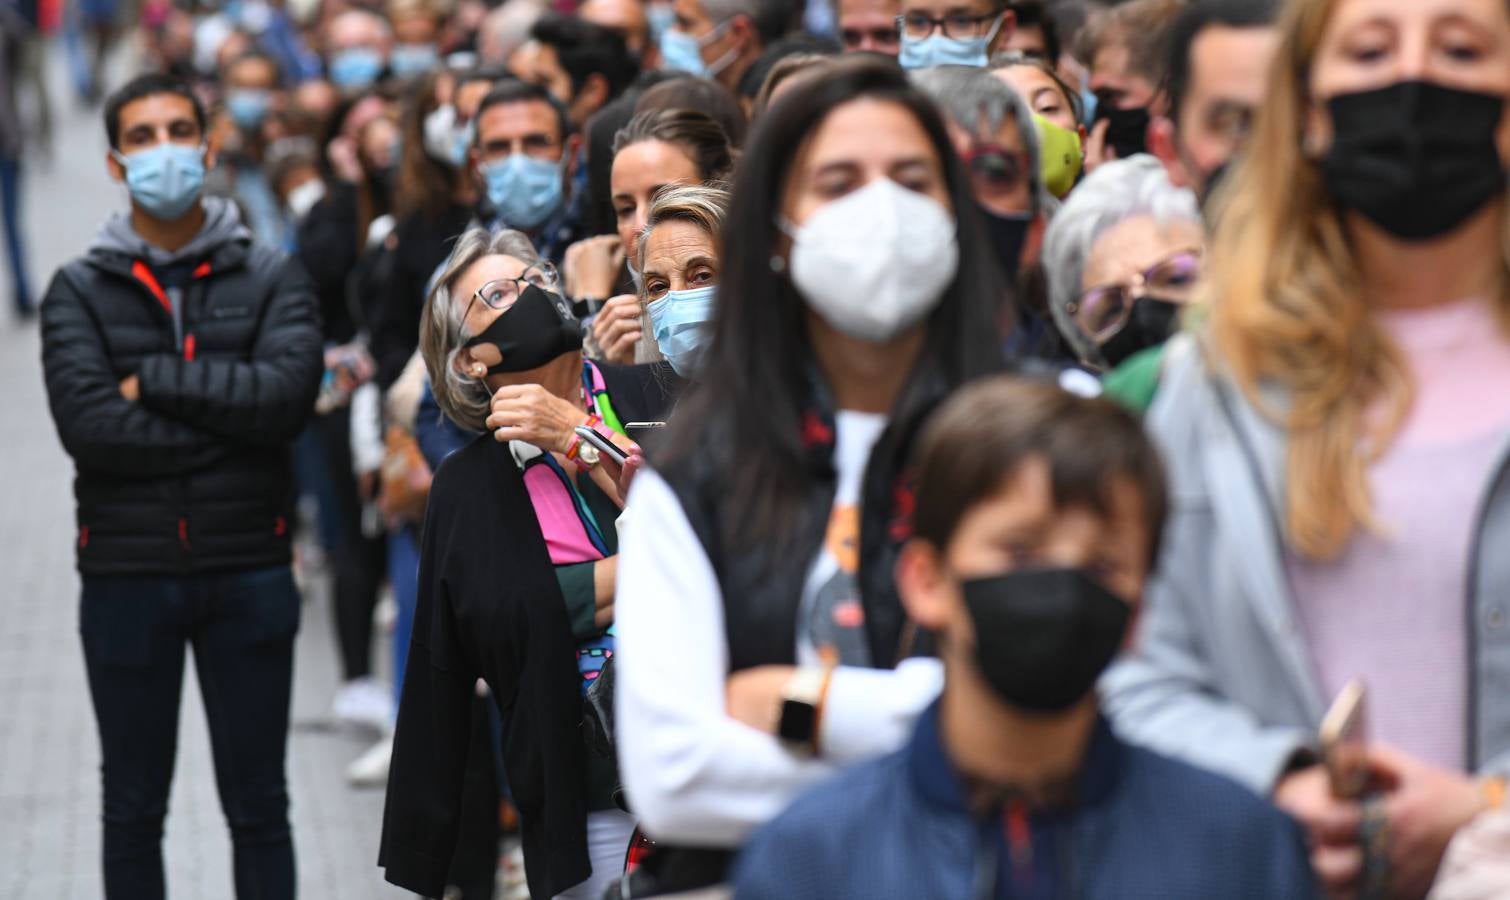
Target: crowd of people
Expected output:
[842,448]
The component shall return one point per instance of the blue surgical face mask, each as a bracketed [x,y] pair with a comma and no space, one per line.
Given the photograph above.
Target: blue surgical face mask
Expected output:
[524,190]
[679,321]
[660,16]
[164,180]
[682,52]
[937,49]
[409,60]
[247,106]
[356,68]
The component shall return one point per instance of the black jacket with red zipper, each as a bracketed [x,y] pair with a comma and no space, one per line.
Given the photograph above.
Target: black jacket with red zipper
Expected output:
[224,335]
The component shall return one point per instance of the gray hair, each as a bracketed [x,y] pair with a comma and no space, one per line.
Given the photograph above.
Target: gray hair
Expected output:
[972,97]
[1113,193]
[465,399]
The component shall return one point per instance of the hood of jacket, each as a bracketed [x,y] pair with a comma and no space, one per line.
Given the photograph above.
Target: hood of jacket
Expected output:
[222,226]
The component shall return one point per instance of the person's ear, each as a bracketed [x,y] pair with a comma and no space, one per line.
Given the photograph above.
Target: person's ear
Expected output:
[212,151]
[1004,31]
[467,364]
[572,150]
[1161,143]
[929,594]
[742,28]
[114,167]
[592,97]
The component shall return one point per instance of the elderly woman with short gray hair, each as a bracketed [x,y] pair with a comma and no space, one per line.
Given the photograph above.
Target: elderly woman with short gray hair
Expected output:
[1122,255]
[517,572]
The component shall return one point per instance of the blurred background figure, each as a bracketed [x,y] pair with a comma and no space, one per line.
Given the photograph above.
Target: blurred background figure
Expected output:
[16,34]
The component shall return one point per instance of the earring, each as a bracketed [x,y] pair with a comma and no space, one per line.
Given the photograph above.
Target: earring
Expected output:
[479,370]
[778,264]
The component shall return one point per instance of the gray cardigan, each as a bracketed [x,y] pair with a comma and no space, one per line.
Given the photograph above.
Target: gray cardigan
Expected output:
[1220,674]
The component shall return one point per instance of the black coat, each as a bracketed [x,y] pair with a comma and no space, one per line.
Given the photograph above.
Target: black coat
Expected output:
[197,475]
[490,607]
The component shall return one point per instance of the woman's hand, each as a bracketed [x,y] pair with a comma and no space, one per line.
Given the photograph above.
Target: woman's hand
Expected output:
[617,329]
[755,695]
[1331,826]
[1425,807]
[530,413]
[592,266]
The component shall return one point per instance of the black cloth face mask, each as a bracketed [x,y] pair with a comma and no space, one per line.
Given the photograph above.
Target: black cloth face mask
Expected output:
[1128,132]
[535,330]
[1150,324]
[1415,158]
[1043,636]
[1007,232]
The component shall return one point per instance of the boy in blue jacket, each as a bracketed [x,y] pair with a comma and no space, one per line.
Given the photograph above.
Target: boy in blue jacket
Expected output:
[1037,521]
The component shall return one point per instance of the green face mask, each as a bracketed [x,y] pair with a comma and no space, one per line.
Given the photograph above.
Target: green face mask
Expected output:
[1061,156]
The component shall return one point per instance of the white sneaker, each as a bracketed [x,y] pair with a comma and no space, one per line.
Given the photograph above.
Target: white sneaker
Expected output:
[371,768]
[365,702]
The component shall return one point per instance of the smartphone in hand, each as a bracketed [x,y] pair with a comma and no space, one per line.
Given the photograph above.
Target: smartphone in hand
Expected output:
[1344,742]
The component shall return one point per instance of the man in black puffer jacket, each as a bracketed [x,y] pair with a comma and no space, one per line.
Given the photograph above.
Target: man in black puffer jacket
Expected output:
[181,359]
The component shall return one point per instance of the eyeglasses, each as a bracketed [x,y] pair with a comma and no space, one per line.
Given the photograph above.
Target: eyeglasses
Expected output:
[1102,311]
[502,293]
[957,26]
[857,38]
[994,168]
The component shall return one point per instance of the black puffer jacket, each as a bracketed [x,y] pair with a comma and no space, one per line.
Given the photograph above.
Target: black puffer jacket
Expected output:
[224,336]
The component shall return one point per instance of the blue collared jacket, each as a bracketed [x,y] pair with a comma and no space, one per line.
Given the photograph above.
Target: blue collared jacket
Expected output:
[1144,826]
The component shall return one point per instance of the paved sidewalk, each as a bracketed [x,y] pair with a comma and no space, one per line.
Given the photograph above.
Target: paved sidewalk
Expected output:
[49,754]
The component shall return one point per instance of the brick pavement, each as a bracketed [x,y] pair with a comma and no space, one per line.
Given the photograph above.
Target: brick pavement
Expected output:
[49,755]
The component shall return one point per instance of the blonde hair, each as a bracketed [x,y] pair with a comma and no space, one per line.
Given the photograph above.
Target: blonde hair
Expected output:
[705,206]
[465,399]
[1288,310]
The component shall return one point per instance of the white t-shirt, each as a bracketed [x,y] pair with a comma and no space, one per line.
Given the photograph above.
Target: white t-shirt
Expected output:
[831,615]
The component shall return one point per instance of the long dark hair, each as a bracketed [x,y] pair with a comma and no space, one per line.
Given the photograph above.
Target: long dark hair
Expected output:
[746,416]
[425,184]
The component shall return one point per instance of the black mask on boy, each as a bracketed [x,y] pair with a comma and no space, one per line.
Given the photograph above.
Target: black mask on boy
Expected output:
[535,330]
[1044,636]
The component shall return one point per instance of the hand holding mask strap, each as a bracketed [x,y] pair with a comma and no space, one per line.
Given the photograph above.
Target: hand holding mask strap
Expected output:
[535,330]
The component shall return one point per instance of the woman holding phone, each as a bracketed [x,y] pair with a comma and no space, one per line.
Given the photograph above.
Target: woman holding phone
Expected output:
[519,551]
[1336,441]
[763,642]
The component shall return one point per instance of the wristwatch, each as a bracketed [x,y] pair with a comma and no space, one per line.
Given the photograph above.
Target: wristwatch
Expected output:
[587,456]
[802,709]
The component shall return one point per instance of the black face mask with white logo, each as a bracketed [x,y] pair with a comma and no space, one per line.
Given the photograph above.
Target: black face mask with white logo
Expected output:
[1417,159]
[1044,636]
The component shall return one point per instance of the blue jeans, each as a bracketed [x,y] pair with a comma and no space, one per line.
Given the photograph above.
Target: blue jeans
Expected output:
[242,627]
[403,574]
[10,213]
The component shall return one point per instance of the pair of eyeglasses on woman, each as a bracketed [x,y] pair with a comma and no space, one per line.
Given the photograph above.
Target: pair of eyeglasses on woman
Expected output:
[1102,311]
[502,293]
